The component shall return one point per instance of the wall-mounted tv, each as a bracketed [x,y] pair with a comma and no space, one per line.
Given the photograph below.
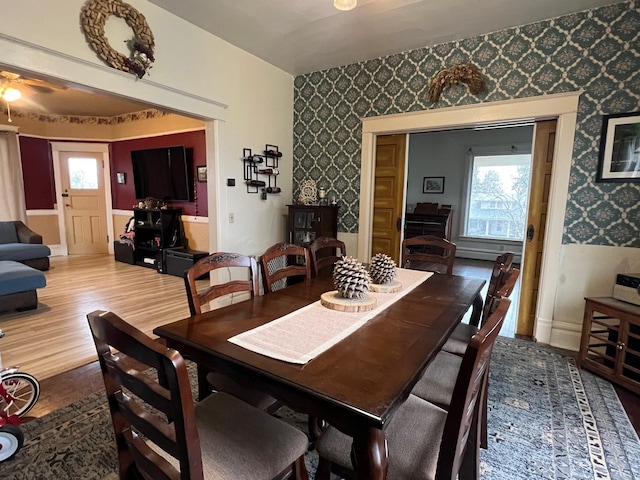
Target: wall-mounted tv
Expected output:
[162,173]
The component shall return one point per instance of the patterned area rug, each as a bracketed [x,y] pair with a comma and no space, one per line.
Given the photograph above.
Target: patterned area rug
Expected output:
[547,420]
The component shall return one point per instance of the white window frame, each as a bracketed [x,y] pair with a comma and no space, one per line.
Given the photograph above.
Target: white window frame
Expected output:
[480,150]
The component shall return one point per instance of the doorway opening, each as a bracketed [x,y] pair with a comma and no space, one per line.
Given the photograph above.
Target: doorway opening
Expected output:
[563,107]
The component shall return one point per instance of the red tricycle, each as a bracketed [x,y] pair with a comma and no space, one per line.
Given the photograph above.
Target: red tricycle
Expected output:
[19,391]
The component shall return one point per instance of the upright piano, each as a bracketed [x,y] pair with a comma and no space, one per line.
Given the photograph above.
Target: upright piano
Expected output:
[429,219]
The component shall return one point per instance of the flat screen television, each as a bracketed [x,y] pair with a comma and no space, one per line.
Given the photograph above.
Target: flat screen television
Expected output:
[162,173]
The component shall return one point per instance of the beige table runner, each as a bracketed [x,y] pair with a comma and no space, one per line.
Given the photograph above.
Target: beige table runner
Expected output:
[306,333]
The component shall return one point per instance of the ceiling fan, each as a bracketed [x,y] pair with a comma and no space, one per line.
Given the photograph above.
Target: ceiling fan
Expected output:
[11,83]
[15,80]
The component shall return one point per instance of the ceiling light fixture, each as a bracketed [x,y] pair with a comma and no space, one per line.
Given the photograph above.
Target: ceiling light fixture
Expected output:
[345,4]
[10,95]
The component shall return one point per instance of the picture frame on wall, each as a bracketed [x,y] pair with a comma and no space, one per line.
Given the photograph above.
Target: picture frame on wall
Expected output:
[619,158]
[202,173]
[433,185]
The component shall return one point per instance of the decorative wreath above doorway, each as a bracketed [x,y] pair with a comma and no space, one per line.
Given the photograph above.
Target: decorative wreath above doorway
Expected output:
[466,73]
[93,17]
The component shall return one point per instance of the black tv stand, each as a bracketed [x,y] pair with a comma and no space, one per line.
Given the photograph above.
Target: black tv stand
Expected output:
[156,229]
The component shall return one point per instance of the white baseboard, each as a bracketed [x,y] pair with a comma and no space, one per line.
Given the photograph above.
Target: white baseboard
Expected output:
[566,335]
[58,250]
[482,254]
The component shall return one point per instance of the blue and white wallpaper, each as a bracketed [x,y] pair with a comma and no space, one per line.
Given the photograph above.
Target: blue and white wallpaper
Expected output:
[596,52]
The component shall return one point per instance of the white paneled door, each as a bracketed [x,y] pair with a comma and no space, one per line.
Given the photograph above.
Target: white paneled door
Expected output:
[83,195]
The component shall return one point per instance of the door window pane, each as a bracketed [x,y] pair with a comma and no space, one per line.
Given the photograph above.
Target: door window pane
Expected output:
[83,173]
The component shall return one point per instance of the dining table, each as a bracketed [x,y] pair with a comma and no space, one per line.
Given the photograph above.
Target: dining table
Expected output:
[357,384]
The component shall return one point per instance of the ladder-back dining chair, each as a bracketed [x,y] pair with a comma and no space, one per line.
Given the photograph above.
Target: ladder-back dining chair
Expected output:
[428,252]
[161,434]
[437,383]
[426,442]
[284,264]
[246,269]
[320,257]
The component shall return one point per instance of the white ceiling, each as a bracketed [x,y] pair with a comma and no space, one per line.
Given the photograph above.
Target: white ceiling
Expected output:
[301,36]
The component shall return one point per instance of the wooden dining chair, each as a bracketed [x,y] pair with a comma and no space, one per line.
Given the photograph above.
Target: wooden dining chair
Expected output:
[161,434]
[235,264]
[459,339]
[426,442]
[502,267]
[428,252]
[321,258]
[438,381]
[284,264]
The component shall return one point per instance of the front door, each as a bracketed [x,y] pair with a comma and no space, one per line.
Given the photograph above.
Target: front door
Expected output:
[543,148]
[388,197]
[82,178]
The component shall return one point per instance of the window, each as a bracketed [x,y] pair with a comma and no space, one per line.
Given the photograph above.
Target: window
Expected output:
[497,195]
[83,173]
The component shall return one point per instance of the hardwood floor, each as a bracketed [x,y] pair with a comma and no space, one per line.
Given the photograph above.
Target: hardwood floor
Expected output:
[55,337]
[54,344]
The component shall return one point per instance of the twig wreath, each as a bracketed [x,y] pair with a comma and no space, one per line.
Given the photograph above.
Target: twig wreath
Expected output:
[462,73]
[93,17]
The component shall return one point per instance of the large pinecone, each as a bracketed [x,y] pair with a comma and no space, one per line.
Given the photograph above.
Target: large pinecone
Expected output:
[351,278]
[382,269]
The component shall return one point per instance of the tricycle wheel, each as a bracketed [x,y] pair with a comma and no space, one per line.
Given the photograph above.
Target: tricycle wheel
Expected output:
[11,439]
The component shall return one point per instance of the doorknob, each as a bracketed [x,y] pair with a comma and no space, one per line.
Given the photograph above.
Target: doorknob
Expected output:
[67,205]
[530,232]
[399,224]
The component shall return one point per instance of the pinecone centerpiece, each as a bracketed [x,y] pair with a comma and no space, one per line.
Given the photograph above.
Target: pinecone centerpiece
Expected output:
[382,269]
[352,281]
[383,274]
[350,278]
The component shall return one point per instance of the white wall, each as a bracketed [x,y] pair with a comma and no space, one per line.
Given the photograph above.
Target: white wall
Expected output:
[587,271]
[444,154]
[194,73]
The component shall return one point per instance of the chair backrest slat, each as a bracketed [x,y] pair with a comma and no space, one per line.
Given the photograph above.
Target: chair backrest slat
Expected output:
[317,251]
[217,261]
[276,264]
[429,249]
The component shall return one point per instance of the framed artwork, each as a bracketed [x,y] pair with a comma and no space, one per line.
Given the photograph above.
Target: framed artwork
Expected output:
[202,173]
[619,159]
[433,185]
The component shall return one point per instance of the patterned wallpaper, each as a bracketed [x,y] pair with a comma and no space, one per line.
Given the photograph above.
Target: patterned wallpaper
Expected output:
[595,51]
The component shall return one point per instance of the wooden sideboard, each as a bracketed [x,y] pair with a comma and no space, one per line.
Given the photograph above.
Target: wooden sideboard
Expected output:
[610,344]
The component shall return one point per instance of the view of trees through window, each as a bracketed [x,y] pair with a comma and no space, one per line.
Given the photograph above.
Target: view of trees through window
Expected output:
[497,198]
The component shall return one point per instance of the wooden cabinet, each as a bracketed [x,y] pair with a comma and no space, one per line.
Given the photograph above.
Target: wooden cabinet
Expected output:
[610,343]
[308,222]
[156,229]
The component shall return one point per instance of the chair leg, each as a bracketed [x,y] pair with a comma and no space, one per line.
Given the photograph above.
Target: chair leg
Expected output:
[324,470]
[300,470]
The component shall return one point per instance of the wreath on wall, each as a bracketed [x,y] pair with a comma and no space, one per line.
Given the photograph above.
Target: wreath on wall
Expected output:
[466,73]
[93,17]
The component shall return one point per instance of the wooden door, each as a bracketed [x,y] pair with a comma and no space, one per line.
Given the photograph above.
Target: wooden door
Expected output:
[388,197]
[543,146]
[82,179]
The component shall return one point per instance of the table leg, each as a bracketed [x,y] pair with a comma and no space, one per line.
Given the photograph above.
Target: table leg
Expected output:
[369,455]
[204,390]
[476,312]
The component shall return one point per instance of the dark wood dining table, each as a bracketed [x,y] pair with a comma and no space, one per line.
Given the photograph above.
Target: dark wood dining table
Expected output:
[357,384]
